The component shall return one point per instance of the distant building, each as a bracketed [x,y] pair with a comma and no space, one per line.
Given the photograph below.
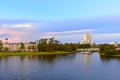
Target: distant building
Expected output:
[87,39]
[116,44]
[113,43]
[16,46]
[117,47]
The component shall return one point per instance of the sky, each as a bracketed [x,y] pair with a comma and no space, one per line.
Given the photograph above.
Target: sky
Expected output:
[66,20]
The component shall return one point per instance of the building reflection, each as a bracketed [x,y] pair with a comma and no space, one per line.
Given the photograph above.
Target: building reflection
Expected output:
[48,59]
[87,59]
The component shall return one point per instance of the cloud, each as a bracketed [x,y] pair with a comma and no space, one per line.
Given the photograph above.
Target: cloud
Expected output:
[4,35]
[54,34]
[106,37]
[23,25]
[104,24]
[72,30]
[27,25]
[17,32]
[69,32]
[77,37]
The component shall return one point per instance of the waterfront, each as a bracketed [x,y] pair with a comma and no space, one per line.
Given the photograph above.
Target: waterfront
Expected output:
[59,67]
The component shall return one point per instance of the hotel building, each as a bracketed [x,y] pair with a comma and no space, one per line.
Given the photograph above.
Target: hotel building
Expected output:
[16,46]
[87,39]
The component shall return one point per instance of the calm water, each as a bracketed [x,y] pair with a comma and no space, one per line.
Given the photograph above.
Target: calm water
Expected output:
[60,67]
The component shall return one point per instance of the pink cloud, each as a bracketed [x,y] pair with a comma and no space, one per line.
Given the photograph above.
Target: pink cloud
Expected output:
[17,34]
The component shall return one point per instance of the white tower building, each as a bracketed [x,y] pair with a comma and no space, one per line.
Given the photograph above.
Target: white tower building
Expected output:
[87,39]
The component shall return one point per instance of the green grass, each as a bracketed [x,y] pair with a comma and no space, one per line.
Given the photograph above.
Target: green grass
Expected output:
[32,53]
[109,55]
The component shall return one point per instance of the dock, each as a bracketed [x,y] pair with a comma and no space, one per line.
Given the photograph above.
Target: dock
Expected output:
[88,50]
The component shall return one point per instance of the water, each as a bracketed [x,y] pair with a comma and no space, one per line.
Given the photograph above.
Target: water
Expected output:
[60,67]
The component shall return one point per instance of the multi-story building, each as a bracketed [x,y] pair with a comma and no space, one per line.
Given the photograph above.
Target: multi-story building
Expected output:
[87,39]
[17,46]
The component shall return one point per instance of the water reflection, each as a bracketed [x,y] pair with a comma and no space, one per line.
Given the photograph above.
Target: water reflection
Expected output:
[87,59]
[51,59]
[84,59]
[59,67]
[109,59]
[42,58]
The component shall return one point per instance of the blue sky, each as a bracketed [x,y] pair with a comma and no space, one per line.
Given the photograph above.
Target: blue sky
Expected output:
[29,20]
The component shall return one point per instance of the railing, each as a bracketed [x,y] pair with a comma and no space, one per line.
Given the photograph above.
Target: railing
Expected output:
[88,49]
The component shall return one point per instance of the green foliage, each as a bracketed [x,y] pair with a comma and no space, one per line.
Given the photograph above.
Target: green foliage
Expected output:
[51,45]
[33,53]
[22,47]
[42,44]
[108,49]
[70,47]
[1,46]
[84,45]
[5,49]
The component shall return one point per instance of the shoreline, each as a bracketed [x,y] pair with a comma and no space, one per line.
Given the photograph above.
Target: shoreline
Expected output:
[34,53]
[107,55]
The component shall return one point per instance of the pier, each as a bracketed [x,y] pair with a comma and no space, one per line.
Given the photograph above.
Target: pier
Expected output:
[88,50]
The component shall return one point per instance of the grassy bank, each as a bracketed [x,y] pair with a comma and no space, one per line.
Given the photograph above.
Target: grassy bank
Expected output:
[109,55]
[33,53]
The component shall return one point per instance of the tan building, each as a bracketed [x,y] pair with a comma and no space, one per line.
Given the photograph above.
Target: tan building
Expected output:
[117,46]
[17,46]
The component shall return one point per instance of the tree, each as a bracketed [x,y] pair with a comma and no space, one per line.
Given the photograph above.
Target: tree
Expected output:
[73,46]
[68,47]
[56,45]
[1,46]
[108,49]
[50,45]
[42,44]
[22,47]
[83,45]
[6,49]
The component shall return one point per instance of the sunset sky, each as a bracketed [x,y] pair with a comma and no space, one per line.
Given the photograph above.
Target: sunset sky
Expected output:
[66,20]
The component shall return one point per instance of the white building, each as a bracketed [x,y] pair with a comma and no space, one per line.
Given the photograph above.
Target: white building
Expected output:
[87,39]
[116,44]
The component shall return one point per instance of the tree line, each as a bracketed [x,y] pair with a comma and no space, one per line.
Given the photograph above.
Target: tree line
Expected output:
[108,49]
[50,45]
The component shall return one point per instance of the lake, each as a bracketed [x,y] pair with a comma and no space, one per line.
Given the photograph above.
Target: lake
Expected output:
[60,67]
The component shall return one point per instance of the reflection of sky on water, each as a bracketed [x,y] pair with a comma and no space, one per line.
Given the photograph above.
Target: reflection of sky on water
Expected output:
[59,67]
